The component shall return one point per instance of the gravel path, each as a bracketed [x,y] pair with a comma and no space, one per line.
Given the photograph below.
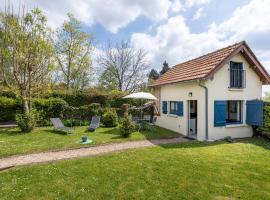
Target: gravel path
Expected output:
[85,151]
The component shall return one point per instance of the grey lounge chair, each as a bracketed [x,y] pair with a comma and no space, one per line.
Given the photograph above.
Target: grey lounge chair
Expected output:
[94,123]
[58,125]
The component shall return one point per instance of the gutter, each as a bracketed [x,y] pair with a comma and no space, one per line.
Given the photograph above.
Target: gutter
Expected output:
[206,108]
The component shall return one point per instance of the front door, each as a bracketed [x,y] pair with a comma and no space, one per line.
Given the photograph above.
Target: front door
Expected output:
[192,118]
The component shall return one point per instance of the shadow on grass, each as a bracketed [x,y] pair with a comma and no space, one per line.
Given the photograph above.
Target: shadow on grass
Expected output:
[258,141]
[11,131]
[112,131]
[59,132]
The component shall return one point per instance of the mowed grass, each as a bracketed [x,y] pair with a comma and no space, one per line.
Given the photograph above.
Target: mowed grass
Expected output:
[42,139]
[191,170]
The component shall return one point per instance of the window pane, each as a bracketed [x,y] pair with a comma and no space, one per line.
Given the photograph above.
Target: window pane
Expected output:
[236,74]
[172,107]
[234,111]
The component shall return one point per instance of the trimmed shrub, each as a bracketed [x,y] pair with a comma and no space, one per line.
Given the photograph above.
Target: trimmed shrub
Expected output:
[26,121]
[110,118]
[126,126]
[8,108]
[145,126]
[75,122]
[265,129]
[115,99]
[229,139]
[8,93]
[94,109]
[80,98]
[49,108]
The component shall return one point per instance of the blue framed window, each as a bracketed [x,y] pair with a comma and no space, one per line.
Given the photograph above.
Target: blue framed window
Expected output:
[173,107]
[228,112]
[237,75]
[176,108]
[234,112]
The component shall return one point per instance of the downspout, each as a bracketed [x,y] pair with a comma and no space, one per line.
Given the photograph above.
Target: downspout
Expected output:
[206,109]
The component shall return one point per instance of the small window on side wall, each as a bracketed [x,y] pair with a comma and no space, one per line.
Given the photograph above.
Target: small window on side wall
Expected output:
[176,108]
[173,107]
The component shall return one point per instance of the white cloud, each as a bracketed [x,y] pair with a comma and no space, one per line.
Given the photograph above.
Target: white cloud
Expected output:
[111,14]
[190,3]
[246,21]
[176,6]
[175,42]
[199,13]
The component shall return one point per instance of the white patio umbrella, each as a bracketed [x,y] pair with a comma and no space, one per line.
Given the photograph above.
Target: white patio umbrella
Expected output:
[141,95]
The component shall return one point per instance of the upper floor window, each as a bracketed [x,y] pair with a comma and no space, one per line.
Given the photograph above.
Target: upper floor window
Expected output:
[237,75]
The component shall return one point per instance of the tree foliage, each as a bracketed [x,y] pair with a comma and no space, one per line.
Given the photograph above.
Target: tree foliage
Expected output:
[153,75]
[265,128]
[25,52]
[165,68]
[72,51]
[123,67]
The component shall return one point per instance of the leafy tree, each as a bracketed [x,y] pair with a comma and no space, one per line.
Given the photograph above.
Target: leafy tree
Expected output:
[72,51]
[165,68]
[123,67]
[265,128]
[25,53]
[267,96]
[153,75]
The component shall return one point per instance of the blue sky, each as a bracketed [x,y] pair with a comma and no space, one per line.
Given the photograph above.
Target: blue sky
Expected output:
[172,30]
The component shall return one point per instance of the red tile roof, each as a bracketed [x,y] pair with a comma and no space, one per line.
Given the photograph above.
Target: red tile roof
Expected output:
[202,67]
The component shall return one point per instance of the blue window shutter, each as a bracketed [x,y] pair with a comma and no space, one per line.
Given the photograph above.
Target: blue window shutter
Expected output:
[164,107]
[254,115]
[180,108]
[220,113]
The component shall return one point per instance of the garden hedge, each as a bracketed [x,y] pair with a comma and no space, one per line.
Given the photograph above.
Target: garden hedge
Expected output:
[8,108]
[265,129]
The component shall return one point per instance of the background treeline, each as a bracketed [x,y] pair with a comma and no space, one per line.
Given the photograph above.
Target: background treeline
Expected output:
[83,104]
[56,72]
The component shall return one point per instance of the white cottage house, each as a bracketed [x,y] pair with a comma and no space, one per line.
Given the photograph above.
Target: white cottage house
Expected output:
[213,96]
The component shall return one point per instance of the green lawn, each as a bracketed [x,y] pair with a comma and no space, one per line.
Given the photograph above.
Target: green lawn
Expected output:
[41,139]
[191,170]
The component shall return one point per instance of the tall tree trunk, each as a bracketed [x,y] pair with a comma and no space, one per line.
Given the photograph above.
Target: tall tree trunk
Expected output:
[29,92]
[24,101]
[68,83]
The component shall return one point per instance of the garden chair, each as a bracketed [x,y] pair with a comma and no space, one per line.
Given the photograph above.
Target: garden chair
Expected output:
[58,125]
[94,123]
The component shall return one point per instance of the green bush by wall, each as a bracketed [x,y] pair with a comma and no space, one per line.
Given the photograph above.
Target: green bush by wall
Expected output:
[8,108]
[109,118]
[80,98]
[265,129]
[49,108]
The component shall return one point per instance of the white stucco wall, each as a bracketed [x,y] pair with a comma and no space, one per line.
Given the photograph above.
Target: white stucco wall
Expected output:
[218,90]
[179,92]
